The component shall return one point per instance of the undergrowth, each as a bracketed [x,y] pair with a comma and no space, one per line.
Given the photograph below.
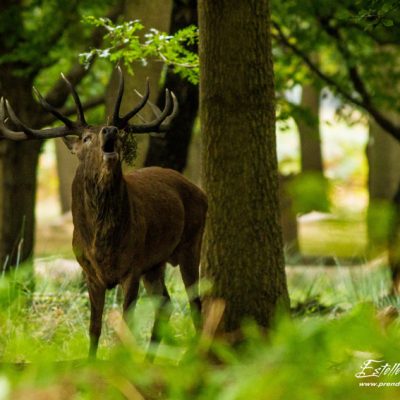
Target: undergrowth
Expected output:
[333,331]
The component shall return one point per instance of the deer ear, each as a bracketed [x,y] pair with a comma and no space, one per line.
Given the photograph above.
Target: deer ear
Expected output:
[71,142]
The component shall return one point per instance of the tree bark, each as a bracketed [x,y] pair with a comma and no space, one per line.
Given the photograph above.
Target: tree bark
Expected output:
[18,163]
[243,252]
[172,151]
[17,200]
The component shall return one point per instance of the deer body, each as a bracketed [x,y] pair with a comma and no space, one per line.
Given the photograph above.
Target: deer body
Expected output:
[148,218]
[126,227]
[144,224]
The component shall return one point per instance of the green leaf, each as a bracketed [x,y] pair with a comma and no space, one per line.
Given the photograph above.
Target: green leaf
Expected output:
[388,22]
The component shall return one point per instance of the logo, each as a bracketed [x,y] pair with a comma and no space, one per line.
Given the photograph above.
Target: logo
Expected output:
[377,368]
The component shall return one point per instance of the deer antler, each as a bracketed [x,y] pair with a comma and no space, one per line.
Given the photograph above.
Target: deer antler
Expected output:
[4,131]
[163,119]
[26,133]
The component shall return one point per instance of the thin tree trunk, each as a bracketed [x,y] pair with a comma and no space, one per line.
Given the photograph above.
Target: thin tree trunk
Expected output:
[316,198]
[66,167]
[310,138]
[194,160]
[172,152]
[290,229]
[242,253]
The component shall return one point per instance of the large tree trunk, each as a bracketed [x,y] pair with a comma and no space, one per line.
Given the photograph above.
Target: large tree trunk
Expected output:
[18,166]
[172,152]
[17,200]
[383,179]
[242,253]
[18,161]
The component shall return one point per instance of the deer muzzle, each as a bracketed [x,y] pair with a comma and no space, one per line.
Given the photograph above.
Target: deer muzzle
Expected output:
[108,138]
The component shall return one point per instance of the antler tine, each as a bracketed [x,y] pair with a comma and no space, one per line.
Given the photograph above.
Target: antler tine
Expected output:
[48,107]
[116,120]
[166,124]
[4,131]
[29,133]
[153,107]
[121,122]
[163,119]
[125,119]
[79,108]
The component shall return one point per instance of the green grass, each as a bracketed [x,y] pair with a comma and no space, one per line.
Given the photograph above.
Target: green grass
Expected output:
[313,355]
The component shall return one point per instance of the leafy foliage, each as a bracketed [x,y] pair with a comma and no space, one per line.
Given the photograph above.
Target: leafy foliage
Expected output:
[127,42]
[337,39]
[49,30]
[340,43]
[129,148]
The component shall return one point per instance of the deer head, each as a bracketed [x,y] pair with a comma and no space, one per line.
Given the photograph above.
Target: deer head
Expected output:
[94,145]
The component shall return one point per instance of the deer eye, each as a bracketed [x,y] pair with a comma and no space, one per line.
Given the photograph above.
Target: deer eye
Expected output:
[87,139]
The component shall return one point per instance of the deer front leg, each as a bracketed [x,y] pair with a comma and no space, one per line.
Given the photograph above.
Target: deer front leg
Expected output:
[96,296]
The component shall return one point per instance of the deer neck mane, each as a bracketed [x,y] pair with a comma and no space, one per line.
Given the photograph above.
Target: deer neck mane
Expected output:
[105,207]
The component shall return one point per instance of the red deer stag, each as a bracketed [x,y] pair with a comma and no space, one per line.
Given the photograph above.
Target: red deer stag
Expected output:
[126,227]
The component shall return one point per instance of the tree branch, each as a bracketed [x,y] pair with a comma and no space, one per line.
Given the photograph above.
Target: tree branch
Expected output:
[364,101]
[53,37]
[68,111]
[58,94]
[358,83]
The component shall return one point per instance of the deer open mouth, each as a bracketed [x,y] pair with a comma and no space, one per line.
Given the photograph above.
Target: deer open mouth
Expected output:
[108,148]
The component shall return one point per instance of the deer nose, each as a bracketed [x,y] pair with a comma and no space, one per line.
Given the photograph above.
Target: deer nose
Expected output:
[109,132]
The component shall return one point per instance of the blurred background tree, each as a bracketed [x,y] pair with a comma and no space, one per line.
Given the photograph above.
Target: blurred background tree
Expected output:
[349,38]
[38,40]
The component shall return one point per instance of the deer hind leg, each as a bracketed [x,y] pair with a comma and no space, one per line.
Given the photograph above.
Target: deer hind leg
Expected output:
[130,288]
[189,264]
[153,281]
